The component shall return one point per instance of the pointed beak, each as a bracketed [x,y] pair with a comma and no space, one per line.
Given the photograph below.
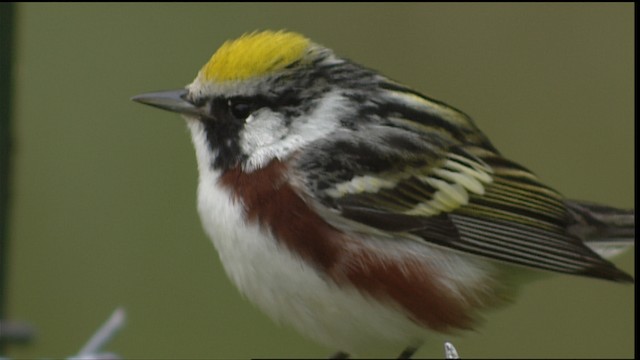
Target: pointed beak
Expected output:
[172,100]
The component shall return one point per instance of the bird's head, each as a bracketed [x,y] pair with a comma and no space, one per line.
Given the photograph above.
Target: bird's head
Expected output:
[265,95]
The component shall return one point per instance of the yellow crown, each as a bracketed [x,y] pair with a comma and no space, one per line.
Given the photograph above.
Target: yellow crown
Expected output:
[255,54]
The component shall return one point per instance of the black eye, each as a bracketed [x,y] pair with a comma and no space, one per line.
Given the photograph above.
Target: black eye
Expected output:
[240,108]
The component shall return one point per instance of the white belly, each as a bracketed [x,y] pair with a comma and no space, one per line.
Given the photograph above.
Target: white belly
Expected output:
[292,292]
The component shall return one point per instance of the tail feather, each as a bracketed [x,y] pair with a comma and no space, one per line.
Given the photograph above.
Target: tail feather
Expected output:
[606,230]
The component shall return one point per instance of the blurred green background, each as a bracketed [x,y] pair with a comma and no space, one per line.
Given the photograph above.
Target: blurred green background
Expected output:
[103,197]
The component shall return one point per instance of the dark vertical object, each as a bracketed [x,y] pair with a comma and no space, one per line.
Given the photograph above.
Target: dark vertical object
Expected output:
[7,14]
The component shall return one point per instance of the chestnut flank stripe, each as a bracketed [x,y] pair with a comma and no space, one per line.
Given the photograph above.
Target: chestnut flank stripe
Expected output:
[272,202]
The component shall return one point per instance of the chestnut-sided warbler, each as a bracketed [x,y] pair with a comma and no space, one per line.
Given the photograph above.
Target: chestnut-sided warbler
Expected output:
[362,212]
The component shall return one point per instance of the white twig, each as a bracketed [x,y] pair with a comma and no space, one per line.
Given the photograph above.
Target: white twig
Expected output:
[91,350]
[450,351]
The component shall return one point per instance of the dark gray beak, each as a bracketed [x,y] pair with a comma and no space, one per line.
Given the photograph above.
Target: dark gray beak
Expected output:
[172,100]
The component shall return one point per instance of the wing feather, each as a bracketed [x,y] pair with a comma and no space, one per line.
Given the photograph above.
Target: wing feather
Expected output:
[447,189]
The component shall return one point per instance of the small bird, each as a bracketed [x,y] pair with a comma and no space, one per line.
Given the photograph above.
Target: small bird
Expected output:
[363,213]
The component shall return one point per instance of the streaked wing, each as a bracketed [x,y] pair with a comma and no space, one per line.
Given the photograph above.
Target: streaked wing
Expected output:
[409,176]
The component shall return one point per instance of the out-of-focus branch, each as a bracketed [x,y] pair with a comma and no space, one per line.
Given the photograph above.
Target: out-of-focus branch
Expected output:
[92,350]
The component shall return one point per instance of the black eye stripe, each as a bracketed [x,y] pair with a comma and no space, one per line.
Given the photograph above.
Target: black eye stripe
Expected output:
[241,108]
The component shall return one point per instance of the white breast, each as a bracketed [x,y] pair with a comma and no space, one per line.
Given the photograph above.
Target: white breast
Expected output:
[284,286]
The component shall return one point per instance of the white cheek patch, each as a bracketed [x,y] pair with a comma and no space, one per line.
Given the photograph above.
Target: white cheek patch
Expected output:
[261,129]
[266,135]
